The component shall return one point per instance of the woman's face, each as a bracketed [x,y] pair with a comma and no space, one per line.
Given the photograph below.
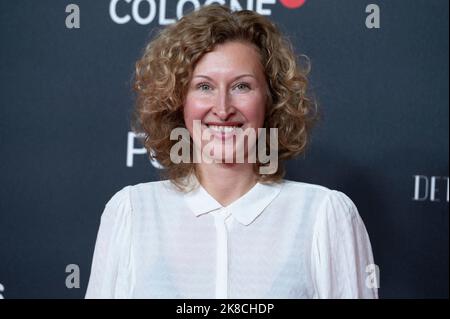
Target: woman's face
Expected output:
[227,90]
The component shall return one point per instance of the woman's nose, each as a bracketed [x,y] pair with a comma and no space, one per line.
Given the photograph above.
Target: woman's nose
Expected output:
[223,107]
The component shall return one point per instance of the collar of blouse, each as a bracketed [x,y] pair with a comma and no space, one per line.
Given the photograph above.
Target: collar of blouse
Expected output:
[245,209]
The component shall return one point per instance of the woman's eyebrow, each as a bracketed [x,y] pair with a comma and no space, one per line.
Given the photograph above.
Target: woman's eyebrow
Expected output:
[237,77]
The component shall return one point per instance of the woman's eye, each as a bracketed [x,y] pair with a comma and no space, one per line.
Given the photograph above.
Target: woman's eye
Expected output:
[203,87]
[243,86]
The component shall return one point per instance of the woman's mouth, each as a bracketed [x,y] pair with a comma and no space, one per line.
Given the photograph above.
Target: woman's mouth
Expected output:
[224,131]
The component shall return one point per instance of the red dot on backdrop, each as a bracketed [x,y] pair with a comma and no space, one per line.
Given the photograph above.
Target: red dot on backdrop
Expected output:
[292,4]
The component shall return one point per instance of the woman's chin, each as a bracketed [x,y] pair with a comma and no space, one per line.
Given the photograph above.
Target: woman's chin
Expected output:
[228,159]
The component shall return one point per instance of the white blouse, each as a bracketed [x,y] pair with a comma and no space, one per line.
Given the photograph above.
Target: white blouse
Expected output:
[286,240]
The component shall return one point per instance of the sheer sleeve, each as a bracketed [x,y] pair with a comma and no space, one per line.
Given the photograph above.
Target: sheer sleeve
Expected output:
[110,270]
[342,259]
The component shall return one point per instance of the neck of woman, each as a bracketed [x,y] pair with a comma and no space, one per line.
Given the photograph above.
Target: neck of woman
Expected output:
[226,182]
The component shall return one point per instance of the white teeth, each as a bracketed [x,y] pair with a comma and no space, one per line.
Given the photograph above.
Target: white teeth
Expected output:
[222,129]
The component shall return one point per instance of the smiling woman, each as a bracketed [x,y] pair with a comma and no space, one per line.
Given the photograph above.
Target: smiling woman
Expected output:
[194,69]
[223,228]
[228,90]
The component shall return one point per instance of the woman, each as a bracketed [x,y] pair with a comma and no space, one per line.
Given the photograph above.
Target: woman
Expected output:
[218,227]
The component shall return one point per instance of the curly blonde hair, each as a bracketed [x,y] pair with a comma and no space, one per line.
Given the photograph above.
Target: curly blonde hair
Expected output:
[164,71]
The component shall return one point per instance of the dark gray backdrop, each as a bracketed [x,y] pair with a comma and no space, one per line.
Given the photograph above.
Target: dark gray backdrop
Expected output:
[64,118]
